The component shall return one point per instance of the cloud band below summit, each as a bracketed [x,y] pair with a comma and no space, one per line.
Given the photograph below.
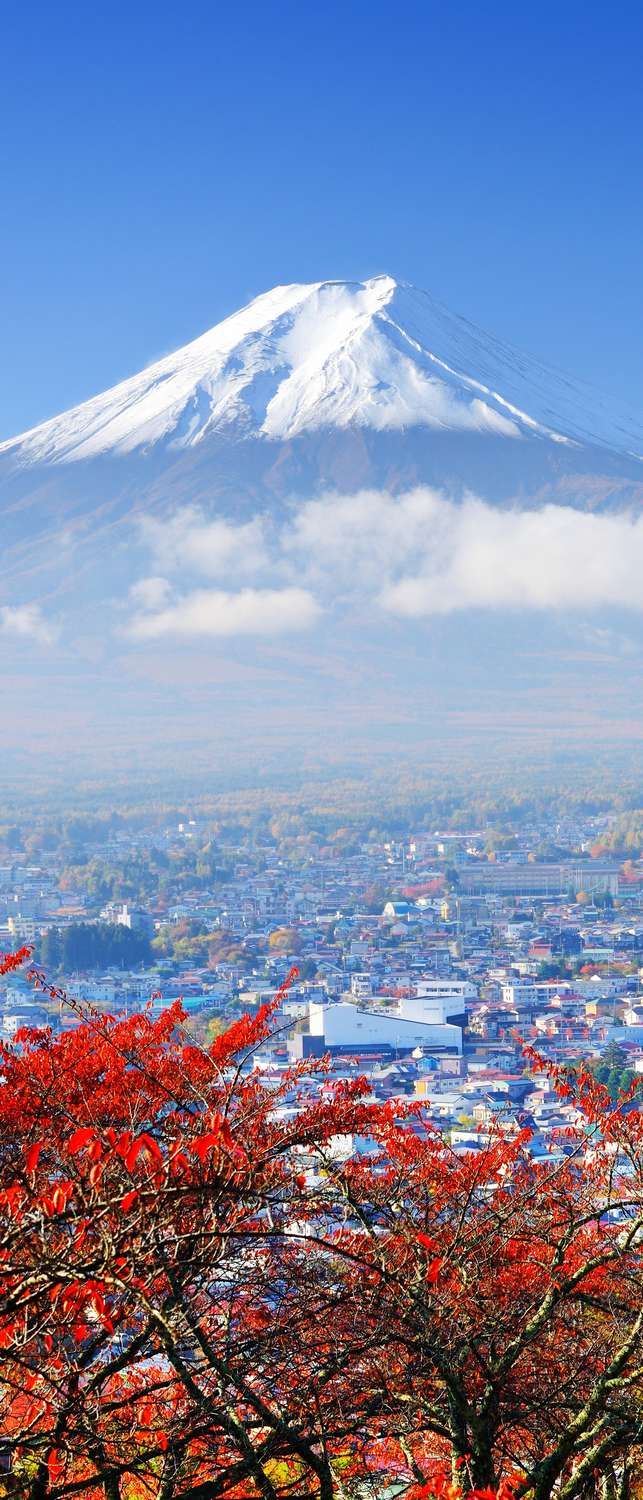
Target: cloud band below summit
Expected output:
[415,555]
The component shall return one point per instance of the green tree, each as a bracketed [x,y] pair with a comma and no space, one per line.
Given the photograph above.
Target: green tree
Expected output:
[614,1084]
[51,950]
[88,946]
[614,1056]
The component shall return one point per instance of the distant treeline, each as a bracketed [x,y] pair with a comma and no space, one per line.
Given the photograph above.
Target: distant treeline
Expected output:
[88,946]
[386,802]
[136,854]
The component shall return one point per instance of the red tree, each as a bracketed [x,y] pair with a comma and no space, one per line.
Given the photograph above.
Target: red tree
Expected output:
[162,1322]
[509,1298]
[200,1298]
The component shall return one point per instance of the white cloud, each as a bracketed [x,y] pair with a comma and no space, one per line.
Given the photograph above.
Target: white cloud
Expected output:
[27,621]
[414,555]
[554,558]
[211,612]
[356,543]
[423,554]
[187,542]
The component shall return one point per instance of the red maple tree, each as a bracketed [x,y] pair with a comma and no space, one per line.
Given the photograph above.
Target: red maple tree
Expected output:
[202,1297]
[509,1296]
[161,1321]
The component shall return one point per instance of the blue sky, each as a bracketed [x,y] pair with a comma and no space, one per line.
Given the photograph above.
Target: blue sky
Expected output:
[162,164]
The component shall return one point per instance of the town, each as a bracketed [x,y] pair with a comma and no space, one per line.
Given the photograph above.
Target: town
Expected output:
[424,963]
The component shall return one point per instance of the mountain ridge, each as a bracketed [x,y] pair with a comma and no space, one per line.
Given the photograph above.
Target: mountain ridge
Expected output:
[306,358]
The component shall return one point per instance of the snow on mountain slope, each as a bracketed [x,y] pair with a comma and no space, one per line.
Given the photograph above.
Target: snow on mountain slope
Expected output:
[304,358]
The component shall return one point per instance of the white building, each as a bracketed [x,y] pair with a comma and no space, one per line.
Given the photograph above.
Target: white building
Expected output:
[431,1019]
[600,985]
[94,989]
[439,999]
[344,1025]
[24,929]
[519,994]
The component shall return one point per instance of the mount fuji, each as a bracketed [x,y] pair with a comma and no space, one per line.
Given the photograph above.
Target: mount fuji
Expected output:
[376,355]
[348,456]
[331,384]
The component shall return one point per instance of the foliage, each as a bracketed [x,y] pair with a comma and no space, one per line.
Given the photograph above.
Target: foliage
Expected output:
[611,1071]
[317,814]
[201,1298]
[87,946]
[556,969]
[284,940]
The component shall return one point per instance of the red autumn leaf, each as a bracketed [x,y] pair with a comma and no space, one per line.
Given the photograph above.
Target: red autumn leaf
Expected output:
[123,1144]
[506,1488]
[80,1138]
[191,1055]
[128,1200]
[81,1233]
[433,1270]
[142,1142]
[152,1146]
[11,961]
[204,1144]
[55,1466]
[132,1153]
[31,1156]
[426,1241]
[6,1335]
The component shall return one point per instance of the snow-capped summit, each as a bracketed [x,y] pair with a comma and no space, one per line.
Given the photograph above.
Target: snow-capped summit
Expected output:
[300,359]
